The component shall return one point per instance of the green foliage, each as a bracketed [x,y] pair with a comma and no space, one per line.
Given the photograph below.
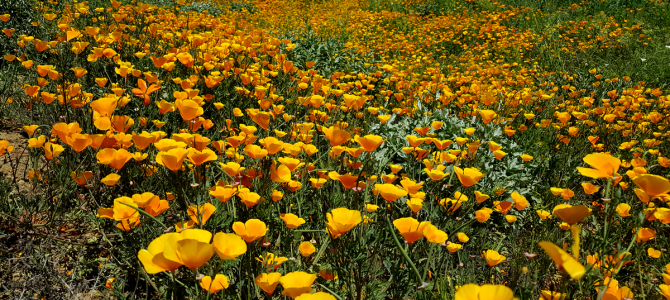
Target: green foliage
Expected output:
[23,13]
[329,54]
[202,7]
[242,6]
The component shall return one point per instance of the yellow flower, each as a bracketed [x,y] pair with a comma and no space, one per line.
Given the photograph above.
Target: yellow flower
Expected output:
[228,246]
[572,214]
[268,282]
[191,248]
[390,192]
[410,228]
[153,259]
[220,282]
[487,291]
[306,248]
[292,221]
[468,176]
[623,210]
[111,179]
[493,258]
[201,213]
[370,208]
[172,159]
[653,185]
[606,166]
[415,204]
[543,214]
[297,283]
[563,260]
[369,142]
[550,295]
[251,230]
[434,235]
[453,247]
[483,214]
[316,296]
[654,253]
[341,220]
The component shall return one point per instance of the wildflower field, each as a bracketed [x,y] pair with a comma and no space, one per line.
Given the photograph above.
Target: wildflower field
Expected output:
[334,149]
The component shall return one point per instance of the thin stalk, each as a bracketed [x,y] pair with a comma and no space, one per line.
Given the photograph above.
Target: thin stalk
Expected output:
[146,214]
[402,251]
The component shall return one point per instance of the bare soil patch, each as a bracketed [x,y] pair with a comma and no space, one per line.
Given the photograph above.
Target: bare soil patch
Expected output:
[15,165]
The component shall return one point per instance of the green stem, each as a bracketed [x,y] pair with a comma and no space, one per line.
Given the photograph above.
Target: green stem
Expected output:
[430,256]
[402,251]
[145,213]
[331,292]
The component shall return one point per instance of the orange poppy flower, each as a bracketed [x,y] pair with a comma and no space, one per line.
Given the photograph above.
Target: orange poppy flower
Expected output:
[172,159]
[493,258]
[292,221]
[336,136]
[188,109]
[390,192]
[255,152]
[468,176]
[268,282]
[104,107]
[572,214]
[113,158]
[369,142]
[410,228]
[563,260]
[200,157]
[143,91]
[605,166]
[341,220]
[220,282]
[201,213]
[653,185]
[297,283]
[223,193]
[251,230]
[79,141]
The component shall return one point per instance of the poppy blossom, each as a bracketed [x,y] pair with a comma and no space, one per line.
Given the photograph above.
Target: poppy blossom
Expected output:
[251,230]
[229,246]
[653,185]
[316,296]
[604,166]
[306,248]
[487,291]
[153,258]
[111,179]
[200,214]
[369,142]
[341,220]
[572,214]
[410,228]
[268,282]
[172,159]
[563,260]
[468,176]
[292,221]
[493,258]
[390,192]
[220,282]
[434,235]
[113,158]
[297,283]
[191,248]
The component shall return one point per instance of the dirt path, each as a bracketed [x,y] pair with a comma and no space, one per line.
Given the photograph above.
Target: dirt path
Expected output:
[14,166]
